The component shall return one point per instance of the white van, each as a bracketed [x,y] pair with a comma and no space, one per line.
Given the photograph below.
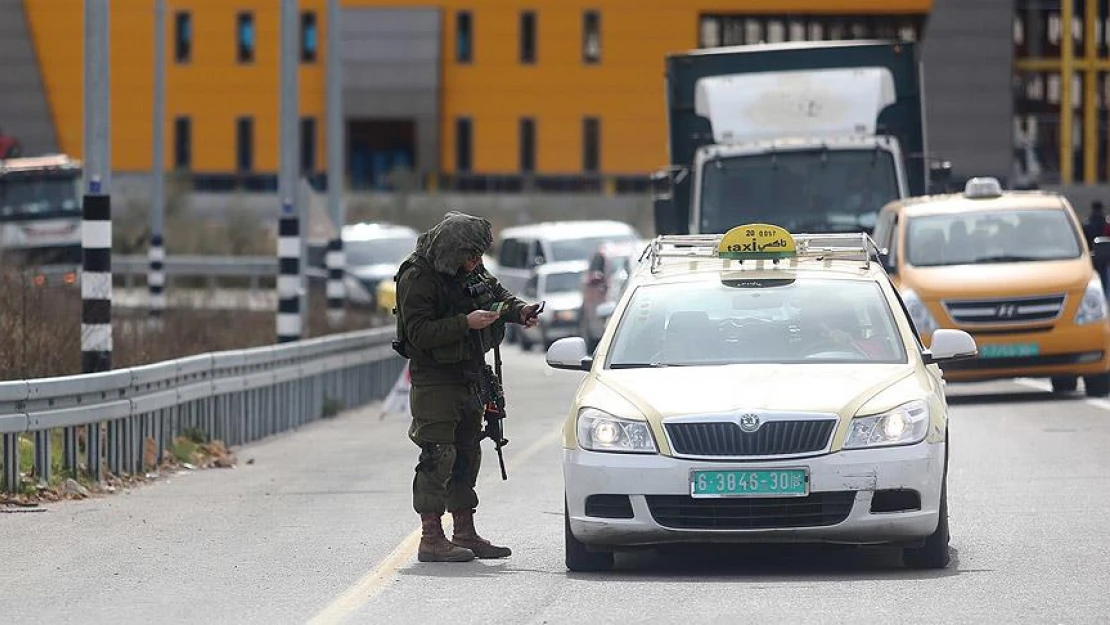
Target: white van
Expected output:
[522,248]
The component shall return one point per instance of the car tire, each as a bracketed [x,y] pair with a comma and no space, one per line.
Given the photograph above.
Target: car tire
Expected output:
[525,344]
[1097,385]
[579,559]
[934,553]
[1065,384]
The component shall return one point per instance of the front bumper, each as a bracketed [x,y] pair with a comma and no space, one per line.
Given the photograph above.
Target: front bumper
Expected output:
[1062,350]
[851,478]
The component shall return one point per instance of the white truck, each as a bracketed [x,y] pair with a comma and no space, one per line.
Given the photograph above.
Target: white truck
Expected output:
[810,136]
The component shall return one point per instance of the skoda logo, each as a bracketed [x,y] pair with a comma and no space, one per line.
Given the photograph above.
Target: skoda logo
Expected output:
[749,422]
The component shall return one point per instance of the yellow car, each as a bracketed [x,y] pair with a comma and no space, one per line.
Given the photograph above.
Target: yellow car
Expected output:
[1012,269]
[758,387]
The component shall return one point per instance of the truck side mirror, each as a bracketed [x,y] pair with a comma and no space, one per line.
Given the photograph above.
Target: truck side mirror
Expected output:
[887,262]
[662,202]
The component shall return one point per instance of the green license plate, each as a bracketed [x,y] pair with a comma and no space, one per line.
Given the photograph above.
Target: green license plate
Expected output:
[1009,350]
[770,483]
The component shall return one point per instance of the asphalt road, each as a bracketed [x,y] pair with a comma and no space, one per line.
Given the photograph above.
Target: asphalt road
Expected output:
[320,529]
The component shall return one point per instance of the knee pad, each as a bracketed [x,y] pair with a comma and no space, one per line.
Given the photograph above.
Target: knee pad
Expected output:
[433,455]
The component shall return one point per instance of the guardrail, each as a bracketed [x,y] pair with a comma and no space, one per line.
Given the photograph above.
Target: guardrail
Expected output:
[211,268]
[235,396]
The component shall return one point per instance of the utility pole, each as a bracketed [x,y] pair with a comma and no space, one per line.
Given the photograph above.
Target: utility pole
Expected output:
[96,225]
[336,260]
[156,277]
[290,266]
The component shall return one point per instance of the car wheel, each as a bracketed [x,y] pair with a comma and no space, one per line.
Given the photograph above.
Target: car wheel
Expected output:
[1065,384]
[1097,385]
[525,344]
[934,553]
[580,559]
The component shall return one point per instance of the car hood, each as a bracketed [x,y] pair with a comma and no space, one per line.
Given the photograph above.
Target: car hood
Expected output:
[986,281]
[658,393]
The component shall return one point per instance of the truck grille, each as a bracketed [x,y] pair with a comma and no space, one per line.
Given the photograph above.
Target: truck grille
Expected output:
[726,439]
[1010,310]
[816,510]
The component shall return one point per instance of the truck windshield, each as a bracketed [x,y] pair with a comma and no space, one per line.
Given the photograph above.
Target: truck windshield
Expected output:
[997,236]
[806,191]
[23,196]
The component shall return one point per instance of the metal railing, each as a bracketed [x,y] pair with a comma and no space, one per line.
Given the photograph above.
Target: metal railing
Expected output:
[235,396]
[212,268]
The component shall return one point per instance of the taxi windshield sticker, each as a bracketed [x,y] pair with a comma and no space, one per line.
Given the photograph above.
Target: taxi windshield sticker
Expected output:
[756,241]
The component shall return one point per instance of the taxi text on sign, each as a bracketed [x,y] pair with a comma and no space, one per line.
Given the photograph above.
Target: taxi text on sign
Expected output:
[756,241]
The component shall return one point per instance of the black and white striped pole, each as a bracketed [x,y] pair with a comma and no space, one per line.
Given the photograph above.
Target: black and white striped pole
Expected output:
[336,259]
[290,278]
[96,226]
[289,275]
[156,277]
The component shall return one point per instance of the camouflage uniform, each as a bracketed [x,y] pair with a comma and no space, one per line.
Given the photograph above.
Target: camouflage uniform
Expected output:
[445,361]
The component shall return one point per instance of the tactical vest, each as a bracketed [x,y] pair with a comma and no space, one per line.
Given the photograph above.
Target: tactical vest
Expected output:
[453,300]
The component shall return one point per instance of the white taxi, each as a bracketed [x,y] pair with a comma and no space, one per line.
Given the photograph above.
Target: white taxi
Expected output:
[758,387]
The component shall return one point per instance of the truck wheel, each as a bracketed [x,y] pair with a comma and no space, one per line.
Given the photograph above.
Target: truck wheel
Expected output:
[578,558]
[1065,384]
[934,553]
[1097,385]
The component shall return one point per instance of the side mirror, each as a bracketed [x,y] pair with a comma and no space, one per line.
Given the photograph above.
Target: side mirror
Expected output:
[950,345]
[569,353]
[888,262]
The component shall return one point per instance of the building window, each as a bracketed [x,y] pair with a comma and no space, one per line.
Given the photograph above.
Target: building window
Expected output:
[309,39]
[527,145]
[182,143]
[244,144]
[591,145]
[464,37]
[182,37]
[463,145]
[245,34]
[591,37]
[308,145]
[528,37]
[737,30]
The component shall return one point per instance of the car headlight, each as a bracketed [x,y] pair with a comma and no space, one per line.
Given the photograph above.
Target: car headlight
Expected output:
[905,425]
[601,431]
[919,313]
[1093,306]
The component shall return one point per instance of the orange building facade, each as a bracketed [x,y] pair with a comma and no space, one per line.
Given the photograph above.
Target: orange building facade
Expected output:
[568,89]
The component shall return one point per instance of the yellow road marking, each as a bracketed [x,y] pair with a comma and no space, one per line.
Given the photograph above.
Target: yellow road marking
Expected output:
[372,583]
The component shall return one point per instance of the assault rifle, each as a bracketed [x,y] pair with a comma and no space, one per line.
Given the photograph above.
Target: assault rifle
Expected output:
[493,397]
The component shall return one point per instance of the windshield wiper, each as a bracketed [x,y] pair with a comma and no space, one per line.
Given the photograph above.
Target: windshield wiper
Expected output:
[1006,258]
[641,365]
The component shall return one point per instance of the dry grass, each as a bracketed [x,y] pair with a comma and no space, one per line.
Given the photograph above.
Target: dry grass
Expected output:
[40,330]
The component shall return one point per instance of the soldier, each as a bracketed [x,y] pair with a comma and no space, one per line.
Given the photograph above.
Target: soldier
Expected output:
[445,327]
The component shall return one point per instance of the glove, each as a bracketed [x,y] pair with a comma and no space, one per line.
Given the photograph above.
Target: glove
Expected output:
[530,315]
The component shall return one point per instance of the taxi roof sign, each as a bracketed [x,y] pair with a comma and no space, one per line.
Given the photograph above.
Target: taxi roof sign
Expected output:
[754,241]
[762,242]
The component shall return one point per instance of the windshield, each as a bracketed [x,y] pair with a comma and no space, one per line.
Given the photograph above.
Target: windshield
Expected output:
[991,237]
[811,191]
[391,250]
[24,196]
[563,282]
[583,247]
[757,321]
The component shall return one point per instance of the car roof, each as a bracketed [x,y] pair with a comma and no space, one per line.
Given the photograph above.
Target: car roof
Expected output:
[954,203]
[568,229]
[369,231]
[565,266]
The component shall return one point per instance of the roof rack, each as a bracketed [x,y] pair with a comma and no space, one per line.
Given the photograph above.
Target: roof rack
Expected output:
[822,247]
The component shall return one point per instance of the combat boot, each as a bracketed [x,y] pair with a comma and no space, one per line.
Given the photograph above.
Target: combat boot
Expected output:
[434,546]
[466,536]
